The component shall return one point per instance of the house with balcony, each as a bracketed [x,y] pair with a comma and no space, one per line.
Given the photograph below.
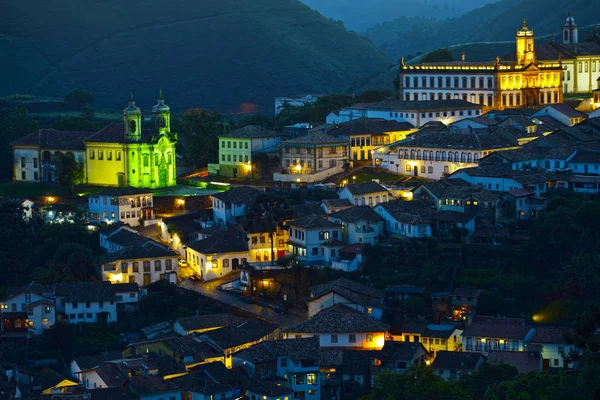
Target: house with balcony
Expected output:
[293,363]
[441,338]
[143,265]
[308,236]
[365,193]
[360,224]
[485,334]
[341,329]
[409,219]
[556,348]
[238,148]
[128,205]
[313,157]
[453,364]
[219,254]
[229,207]
[350,294]
[436,155]
[367,134]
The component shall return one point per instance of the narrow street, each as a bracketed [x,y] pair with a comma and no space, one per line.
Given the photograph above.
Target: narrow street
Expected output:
[209,289]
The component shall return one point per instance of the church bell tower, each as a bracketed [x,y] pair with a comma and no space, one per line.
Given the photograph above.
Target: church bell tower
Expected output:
[570,31]
[525,45]
[161,114]
[132,116]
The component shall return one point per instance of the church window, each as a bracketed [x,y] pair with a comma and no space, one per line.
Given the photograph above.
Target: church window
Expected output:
[568,75]
[92,154]
[504,99]
[580,67]
[109,155]
[470,112]
[586,67]
[464,96]
[566,36]
[424,96]
[156,159]
[169,159]
[146,161]
[132,126]
[100,155]
[118,155]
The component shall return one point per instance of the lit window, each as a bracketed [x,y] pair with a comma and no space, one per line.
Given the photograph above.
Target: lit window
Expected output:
[369,310]
[311,379]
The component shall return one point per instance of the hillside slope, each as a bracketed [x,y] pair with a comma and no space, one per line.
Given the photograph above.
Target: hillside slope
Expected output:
[203,53]
[492,22]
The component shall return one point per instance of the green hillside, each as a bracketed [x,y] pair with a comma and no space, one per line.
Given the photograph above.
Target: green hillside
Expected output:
[493,22]
[203,53]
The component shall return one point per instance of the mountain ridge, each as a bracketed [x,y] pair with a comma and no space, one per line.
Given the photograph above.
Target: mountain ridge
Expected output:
[218,56]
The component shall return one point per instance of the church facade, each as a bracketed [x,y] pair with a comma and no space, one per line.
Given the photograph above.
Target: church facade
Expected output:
[118,155]
[499,84]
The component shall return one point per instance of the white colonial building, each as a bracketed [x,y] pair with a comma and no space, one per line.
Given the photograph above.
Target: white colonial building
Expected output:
[127,205]
[314,238]
[230,206]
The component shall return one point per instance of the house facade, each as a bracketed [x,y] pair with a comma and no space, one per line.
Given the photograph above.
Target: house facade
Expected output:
[229,207]
[308,236]
[485,334]
[360,224]
[127,205]
[349,294]
[143,265]
[237,148]
[365,193]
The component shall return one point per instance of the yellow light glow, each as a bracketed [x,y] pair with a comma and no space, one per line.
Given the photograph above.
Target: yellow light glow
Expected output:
[298,180]
[208,265]
[181,202]
[50,199]
[248,167]
[427,362]
[501,341]
[114,278]
[298,168]
[379,342]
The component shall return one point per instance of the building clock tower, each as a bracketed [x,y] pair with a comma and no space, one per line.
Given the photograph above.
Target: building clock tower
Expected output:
[132,116]
[525,45]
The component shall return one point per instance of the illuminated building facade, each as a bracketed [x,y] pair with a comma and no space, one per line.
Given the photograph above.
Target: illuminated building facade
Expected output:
[499,84]
[130,206]
[118,155]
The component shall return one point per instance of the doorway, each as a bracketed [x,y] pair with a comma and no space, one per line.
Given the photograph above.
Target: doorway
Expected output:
[416,171]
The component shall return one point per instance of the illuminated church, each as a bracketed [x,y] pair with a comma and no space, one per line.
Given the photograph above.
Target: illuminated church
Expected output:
[119,155]
[499,84]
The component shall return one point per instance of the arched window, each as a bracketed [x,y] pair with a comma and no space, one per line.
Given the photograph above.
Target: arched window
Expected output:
[422,169]
[424,96]
[450,156]
[440,82]
[469,157]
[448,82]
[432,82]
[440,96]
[406,154]
[476,157]
[423,82]
[416,81]
[456,156]
[448,96]
[481,83]
[418,154]
[464,82]
[412,154]
[430,170]
[431,155]
[437,156]
[407,81]
[490,83]
[462,157]
[472,83]
[443,156]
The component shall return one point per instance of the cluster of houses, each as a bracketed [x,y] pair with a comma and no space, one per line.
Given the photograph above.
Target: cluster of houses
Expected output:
[337,351]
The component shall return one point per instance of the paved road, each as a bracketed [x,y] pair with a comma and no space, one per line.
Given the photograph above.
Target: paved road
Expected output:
[209,289]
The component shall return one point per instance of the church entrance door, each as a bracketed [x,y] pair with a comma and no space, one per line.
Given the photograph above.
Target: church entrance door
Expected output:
[162,176]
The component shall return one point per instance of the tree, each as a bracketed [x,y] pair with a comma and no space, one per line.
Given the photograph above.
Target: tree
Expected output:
[83,124]
[69,171]
[199,130]
[78,98]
